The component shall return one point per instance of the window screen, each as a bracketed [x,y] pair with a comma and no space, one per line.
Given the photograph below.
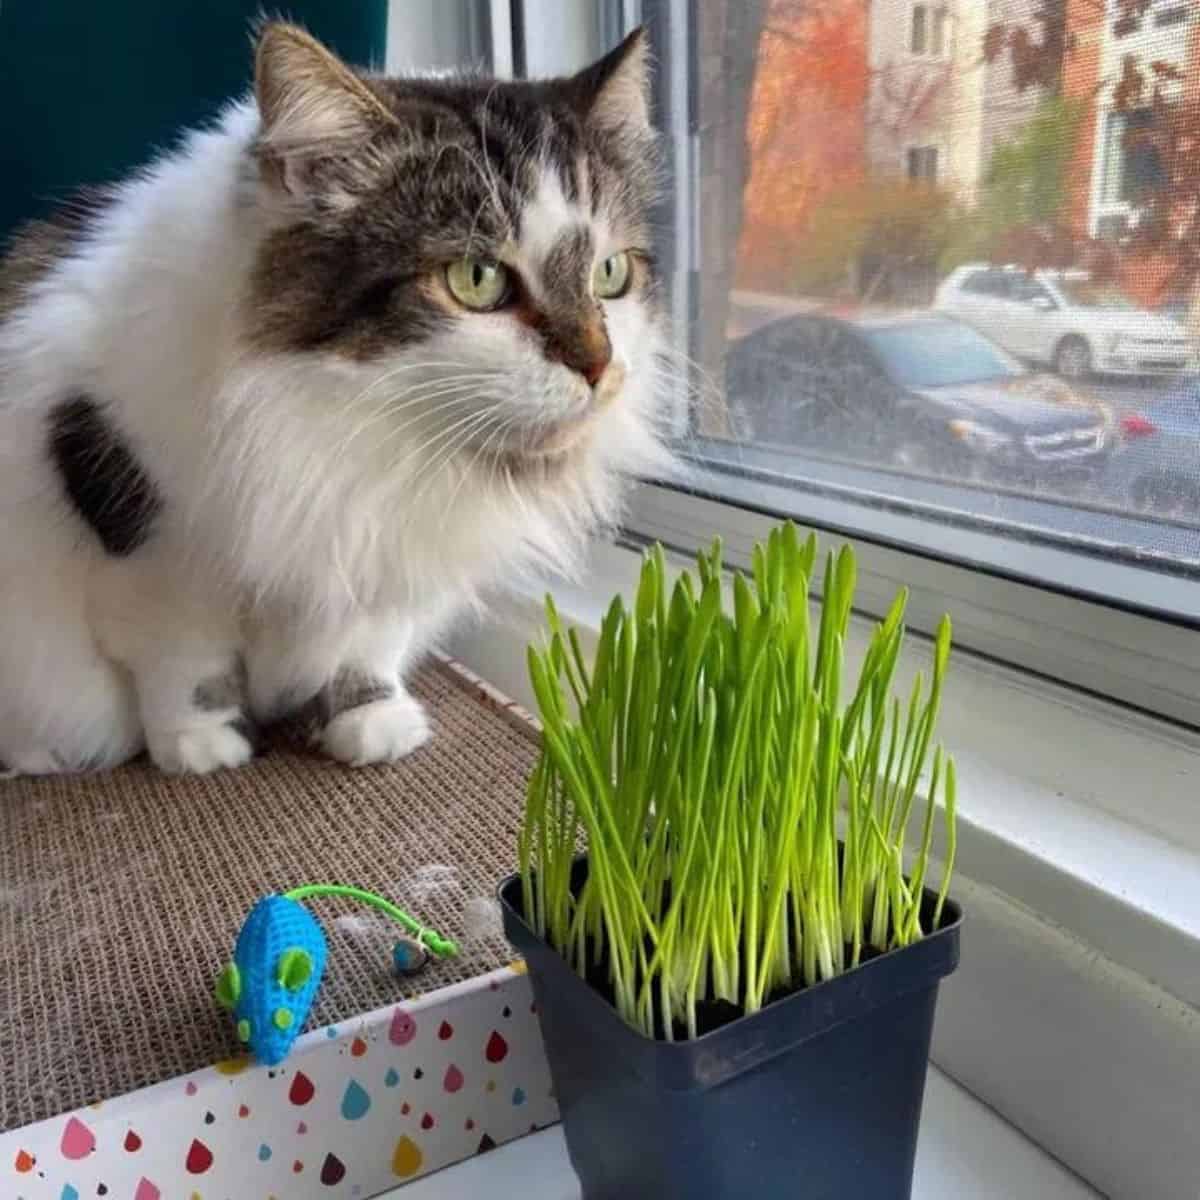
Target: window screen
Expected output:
[1004,227]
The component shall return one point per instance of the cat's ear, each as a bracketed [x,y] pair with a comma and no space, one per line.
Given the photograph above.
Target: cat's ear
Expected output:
[309,101]
[614,93]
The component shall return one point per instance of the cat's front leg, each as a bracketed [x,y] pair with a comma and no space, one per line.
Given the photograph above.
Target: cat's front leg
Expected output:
[369,716]
[354,671]
[194,728]
[181,644]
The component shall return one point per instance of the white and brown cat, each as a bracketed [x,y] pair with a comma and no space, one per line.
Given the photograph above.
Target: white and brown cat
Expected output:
[277,407]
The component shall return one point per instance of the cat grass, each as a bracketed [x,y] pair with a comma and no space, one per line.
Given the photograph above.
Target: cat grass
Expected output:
[744,812]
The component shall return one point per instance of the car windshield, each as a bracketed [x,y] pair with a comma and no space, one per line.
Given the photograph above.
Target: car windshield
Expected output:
[938,354]
[1085,293]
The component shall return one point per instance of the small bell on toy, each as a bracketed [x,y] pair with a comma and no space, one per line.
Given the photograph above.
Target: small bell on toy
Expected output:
[271,984]
[409,956]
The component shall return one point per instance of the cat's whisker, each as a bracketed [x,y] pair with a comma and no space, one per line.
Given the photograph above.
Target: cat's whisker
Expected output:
[391,407]
[404,368]
[494,436]
[359,400]
[460,434]
[439,462]
[451,397]
[437,437]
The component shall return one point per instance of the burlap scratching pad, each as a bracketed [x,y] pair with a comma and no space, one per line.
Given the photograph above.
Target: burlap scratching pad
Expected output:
[121,894]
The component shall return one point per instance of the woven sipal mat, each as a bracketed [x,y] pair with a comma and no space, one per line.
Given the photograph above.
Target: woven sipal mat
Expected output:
[121,894]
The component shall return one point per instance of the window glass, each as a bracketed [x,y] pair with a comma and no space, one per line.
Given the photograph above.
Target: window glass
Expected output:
[920,30]
[978,282]
[1007,233]
[1026,289]
[922,163]
[925,353]
[1129,18]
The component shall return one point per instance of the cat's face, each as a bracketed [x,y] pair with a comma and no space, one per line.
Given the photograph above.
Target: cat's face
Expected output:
[474,255]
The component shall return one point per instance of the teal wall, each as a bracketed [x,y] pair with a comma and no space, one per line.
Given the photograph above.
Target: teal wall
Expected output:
[89,88]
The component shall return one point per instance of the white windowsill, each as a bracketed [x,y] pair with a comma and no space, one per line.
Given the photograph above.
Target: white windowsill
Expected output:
[965,1152]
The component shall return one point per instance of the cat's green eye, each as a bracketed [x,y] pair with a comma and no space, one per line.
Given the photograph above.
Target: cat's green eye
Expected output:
[612,277]
[478,283]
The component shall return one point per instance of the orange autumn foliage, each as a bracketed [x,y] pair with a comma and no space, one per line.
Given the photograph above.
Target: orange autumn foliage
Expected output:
[806,128]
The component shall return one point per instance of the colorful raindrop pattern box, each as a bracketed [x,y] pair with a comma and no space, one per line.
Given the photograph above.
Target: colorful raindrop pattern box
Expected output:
[353,1111]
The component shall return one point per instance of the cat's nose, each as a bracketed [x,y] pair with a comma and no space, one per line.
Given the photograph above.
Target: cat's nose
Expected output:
[587,351]
[594,369]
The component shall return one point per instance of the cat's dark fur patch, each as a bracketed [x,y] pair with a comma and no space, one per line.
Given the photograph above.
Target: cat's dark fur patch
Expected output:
[222,691]
[573,323]
[39,244]
[352,688]
[229,691]
[249,730]
[101,475]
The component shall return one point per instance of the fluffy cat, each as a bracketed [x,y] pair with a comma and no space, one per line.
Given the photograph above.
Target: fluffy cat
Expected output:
[277,407]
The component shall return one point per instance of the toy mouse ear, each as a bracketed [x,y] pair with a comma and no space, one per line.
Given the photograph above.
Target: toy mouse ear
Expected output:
[229,986]
[294,968]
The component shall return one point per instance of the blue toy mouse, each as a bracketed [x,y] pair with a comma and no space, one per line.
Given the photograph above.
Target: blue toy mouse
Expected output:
[271,984]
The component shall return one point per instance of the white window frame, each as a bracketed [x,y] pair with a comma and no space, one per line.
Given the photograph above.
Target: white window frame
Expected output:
[1076,1011]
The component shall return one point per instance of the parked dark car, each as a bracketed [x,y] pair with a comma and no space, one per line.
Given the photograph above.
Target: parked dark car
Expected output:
[919,392]
[1157,469]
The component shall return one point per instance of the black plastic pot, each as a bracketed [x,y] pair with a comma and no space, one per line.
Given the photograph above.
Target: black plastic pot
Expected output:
[817,1096]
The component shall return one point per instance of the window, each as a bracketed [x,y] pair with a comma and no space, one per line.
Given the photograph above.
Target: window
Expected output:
[987,283]
[935,353]
[1064,472]
[1133,165]
[920,29]
[927,30]
[1165,14]
[921,163]
[1028,290]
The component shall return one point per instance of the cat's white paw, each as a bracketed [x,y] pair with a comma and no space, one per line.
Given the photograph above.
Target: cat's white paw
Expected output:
[199,750]
[381,731]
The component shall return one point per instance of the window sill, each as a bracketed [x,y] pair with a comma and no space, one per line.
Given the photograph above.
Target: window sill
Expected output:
[1075,1012]
[965,1151]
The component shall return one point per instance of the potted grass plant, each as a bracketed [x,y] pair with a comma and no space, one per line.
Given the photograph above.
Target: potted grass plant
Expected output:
[735,973]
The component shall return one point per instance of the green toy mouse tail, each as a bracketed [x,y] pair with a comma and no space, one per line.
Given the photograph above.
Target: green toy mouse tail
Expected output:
[433,941]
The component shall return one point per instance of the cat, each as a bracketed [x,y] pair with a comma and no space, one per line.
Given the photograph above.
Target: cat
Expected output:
[277,408]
